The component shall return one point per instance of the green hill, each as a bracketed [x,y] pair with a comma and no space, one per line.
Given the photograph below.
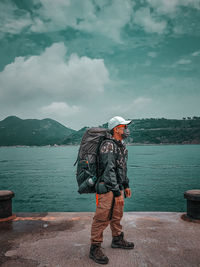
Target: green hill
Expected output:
[74,138]
[15,131]
[155,131]
[165,131]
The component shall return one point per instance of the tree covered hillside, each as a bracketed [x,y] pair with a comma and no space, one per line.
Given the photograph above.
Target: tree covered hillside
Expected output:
[165,131]
[155,131]
[15,131]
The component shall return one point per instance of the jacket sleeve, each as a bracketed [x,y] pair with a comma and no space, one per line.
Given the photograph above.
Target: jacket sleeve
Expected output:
[126,183]
[108,159]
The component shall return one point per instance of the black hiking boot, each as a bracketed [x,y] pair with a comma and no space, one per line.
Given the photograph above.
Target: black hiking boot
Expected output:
[120,242]
[97,255]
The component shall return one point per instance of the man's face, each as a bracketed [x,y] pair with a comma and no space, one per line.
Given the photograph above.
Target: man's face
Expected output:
[120,129]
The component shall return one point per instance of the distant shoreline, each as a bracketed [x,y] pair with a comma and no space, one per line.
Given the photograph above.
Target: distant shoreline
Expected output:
[143,132]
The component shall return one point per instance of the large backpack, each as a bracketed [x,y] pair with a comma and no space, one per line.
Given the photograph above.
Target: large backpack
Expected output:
[88,159]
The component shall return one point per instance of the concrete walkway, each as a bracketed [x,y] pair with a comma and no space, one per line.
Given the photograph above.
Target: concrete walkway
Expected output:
[62,239]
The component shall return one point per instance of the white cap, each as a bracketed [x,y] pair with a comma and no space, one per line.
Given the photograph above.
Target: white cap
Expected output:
[117,121]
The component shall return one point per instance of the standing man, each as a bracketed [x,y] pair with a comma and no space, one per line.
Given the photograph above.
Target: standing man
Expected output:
[113,157]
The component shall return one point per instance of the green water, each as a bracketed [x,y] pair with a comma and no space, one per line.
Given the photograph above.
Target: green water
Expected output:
[43,178]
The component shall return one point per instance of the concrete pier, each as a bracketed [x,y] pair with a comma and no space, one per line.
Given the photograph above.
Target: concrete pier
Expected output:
[63,239]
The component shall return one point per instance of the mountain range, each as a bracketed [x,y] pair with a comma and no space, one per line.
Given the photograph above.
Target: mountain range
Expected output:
[33,132]
[15,131]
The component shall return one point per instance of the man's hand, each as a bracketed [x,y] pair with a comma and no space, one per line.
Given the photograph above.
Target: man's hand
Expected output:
[128,192]
[119,200]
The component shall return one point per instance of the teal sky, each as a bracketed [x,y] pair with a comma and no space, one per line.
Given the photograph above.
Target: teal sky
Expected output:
[82,62]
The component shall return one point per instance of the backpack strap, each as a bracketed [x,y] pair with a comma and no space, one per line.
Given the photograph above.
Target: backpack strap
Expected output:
[76,162]
[97,157]
[98,161]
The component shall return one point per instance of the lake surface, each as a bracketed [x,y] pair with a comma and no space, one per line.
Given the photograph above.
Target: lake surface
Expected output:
[43,178]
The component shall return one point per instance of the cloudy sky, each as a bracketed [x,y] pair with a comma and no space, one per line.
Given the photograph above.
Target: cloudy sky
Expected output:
[81,62]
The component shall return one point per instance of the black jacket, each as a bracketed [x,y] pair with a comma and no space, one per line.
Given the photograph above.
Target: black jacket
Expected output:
[113,157]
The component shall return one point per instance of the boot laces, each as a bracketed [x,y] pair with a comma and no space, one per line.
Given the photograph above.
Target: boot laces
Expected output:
[125,243]
[99,252]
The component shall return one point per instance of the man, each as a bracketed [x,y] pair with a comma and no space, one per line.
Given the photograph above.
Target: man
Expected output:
[113,175]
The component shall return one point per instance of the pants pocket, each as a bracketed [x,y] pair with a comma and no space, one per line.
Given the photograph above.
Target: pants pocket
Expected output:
[104,206]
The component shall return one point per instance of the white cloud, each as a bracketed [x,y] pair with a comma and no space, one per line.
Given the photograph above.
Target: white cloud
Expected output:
[96,17]
[164,6]
[51,76]
[55,15]
[147,63]
[103,17]
[183,61]
[59,109]
[192,3]
[178,29]
[196,53]
[107,18]
[152,54]
[145,19]
[11,21]
[174,11]
[172,6]
[110,19]
[38,26]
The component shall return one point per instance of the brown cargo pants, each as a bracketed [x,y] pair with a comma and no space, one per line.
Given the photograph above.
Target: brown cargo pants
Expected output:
[103,217]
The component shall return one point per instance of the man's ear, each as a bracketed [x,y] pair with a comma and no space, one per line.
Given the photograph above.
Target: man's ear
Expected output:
[115,130]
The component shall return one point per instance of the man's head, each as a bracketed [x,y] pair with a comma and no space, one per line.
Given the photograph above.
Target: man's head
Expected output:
[118,127]
[117,120]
